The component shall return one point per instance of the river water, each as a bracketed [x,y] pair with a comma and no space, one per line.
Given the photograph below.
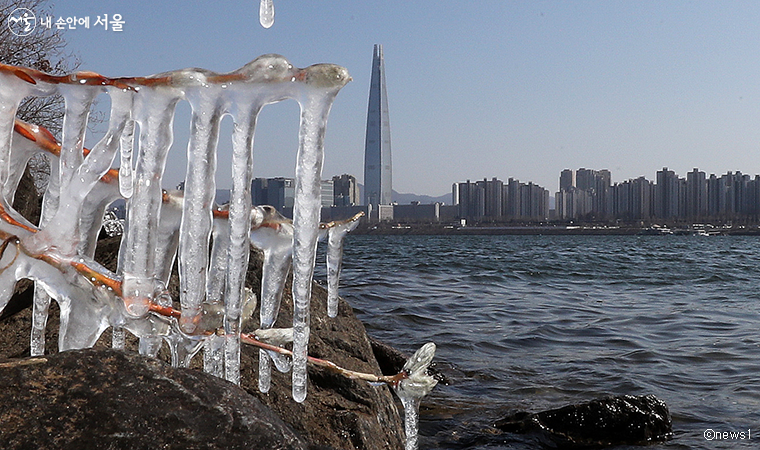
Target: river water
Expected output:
[538,322]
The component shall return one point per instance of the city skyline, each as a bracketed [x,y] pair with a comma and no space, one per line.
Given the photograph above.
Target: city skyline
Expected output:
[590,195]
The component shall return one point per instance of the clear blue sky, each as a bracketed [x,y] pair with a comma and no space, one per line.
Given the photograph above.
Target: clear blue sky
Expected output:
[476,89]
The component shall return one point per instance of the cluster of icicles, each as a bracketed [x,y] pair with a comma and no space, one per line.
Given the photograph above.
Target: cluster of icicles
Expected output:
[57,254]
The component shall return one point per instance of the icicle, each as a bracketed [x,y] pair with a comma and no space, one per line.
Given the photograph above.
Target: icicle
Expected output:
[12,91]
[41,298]
[265,371]
[411,422]
[322,83]
[266,13]
[78,102]
[125,169]
[273,234]
[167,239]
[22,150]
[239,227]
[217,270]
[213,355]
[149,345]
[39,321]
[200,187]
[154,112]
[411,389]
[335,235]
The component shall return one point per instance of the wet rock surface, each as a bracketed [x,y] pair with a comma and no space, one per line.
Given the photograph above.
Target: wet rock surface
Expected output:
[599,423]
[338,412]
[117,400]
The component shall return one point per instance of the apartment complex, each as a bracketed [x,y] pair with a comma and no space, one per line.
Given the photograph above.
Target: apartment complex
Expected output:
[589,195]
[497,201]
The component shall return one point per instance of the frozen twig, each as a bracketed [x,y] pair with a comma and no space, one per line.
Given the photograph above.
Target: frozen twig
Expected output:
[388,379]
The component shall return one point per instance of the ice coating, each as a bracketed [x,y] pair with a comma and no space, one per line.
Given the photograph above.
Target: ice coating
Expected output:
[266,13]
[412,388]
[57,254]
[154,112]
[335,235]
[273,234]
[323,82]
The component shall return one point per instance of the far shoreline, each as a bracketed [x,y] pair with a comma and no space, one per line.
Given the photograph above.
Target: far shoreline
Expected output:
[417,229]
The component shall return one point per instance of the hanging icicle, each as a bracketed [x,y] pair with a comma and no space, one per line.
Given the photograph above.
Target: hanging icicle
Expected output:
[140,128]
[266,13]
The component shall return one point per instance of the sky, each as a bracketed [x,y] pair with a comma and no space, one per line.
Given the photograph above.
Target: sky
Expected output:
[478,89]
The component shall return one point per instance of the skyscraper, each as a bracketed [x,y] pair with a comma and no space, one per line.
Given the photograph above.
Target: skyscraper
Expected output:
[377,146]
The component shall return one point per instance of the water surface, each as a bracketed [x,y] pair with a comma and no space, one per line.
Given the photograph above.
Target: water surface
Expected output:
[538,322]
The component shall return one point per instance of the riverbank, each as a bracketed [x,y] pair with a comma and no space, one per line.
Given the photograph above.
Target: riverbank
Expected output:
[388,228]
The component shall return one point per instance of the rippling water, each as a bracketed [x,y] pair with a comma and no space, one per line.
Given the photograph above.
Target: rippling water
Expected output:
[538,322]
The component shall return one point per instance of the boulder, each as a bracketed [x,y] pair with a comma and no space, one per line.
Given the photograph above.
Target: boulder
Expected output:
[338,413]
[603,422]
[117,400]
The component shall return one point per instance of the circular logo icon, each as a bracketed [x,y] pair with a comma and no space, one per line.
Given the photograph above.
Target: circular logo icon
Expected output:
[22,22]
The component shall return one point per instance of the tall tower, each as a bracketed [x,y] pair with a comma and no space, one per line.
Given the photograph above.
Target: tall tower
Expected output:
[377,146]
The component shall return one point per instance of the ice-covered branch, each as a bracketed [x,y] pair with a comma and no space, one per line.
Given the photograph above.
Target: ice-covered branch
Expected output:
[211,244]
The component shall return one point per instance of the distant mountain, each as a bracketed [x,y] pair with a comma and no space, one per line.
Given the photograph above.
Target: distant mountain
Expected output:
[405,199]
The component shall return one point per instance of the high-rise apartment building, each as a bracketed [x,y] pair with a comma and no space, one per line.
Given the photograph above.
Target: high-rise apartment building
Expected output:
[278,192]
[584,193]
[566,180]
[345,190]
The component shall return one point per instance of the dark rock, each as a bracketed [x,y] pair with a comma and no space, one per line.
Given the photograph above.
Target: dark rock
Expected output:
[390,360]
[26,201]
[608,421]
[110,399]
[338,413]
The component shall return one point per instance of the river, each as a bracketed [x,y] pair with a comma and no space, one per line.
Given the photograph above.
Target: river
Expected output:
[538,322]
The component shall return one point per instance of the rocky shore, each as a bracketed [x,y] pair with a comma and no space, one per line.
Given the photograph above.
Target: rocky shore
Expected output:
[108,399]
[338,413]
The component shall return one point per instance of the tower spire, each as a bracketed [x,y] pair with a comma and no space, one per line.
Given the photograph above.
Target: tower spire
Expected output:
[377,145]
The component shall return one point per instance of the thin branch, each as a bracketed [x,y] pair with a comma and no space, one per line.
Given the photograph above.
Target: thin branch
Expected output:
[388,379]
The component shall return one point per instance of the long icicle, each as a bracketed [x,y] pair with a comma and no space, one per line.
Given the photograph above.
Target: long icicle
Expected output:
[240,224]
[322,83]
[275,239]
[335,236]
[200,187]
[154,112]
